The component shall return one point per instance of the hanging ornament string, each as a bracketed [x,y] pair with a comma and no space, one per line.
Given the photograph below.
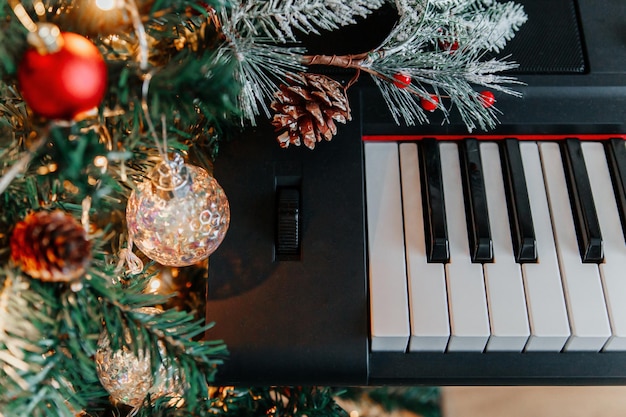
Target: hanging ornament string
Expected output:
[126,255]
[140,32]
[143,50]
[161,147]
[133,262]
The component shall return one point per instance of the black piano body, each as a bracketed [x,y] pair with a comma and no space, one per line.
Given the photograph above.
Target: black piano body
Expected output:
[303,318]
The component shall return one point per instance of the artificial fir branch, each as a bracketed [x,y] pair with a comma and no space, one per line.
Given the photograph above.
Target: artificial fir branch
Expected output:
[75,331]
[253,29]
[30,388]
[419,45]
[260,65]
[492,24]
[373,401]
[276,401]
[279,19]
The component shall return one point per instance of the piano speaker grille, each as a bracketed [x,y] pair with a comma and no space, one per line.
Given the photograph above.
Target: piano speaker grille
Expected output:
[550,42]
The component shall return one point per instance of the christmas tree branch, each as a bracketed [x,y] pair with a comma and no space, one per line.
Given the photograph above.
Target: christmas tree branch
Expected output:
[35,381]
[276,401]
[190,360]
[277,19]
[439,48]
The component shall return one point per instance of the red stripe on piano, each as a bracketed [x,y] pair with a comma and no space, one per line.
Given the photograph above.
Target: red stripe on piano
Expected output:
[539,137]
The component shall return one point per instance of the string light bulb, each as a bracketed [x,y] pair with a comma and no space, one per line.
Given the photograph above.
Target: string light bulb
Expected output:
[106,5]
[155,284]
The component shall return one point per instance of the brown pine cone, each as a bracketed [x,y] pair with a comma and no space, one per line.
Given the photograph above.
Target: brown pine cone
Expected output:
[51,246]
[308,110]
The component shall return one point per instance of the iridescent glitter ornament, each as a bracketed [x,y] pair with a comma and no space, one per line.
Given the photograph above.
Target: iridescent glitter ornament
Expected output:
[128,377]
[179,216]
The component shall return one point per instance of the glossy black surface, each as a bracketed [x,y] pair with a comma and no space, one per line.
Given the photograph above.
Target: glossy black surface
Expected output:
[475,196]
[498,368]
[616,157]
[291,321]
[581,200]
[434,205]
[520,216]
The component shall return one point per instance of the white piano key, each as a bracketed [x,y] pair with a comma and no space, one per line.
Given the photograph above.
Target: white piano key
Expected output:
[469,321]
[389,311]
[506,301]
[430,327]
[612,270]
[545,301]
[584,295]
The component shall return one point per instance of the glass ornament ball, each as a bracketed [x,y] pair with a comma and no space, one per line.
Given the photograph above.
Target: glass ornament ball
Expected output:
[179,216]
[128,377]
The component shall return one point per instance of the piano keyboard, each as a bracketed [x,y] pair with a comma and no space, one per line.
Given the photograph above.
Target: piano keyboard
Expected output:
[395,279]
[551,281]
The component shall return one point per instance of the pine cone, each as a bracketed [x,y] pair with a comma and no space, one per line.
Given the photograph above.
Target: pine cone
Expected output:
[308,109]
[51,246]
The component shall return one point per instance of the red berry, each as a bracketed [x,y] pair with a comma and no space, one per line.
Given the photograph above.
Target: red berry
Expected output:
[430,105]
[402,80]
[66,83]
[447,46]
[487,98]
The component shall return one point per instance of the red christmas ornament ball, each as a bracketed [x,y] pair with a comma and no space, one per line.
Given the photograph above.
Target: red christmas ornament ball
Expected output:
[402,80]
[430,105]
[65,83]
[487,99]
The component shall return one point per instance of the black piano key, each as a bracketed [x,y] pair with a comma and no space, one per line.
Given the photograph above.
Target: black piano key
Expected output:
[581,200]
[436,229]
[616,158]
[479,232]
[520,216]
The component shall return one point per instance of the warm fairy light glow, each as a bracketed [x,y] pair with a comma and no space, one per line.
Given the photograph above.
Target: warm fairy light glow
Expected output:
[100,161]
[354,413]
[106,4]
[47,169]
[40,8]
[155,284]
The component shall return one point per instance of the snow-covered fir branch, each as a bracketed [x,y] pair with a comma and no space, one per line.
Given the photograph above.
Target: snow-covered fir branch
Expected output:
[403,105]
[440,44]
[278,19]
[256,32]
[496,22]
[260,65]
[490,24]
[441,47]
